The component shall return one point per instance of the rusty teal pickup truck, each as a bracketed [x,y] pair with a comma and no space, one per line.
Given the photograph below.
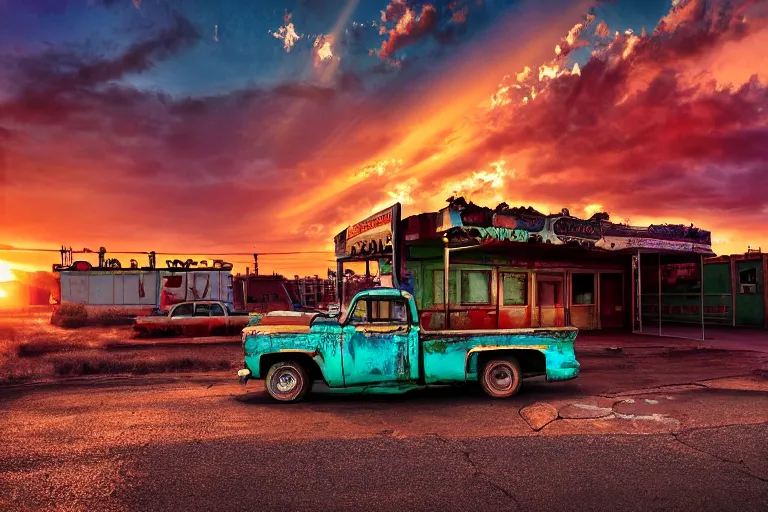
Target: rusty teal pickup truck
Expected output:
[377,346]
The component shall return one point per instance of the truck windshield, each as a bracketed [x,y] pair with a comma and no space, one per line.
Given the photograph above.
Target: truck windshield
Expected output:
[389,310]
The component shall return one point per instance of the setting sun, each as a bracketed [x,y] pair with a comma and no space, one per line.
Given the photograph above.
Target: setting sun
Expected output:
[6,274]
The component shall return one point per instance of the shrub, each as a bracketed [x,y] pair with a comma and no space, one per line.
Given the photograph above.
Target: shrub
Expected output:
[70,316]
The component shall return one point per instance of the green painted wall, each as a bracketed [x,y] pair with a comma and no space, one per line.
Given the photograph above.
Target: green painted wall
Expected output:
[681,304]
[717,278]
[750,306]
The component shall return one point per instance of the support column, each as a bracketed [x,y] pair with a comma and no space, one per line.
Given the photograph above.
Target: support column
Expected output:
[701,291]
[340,283]
[640,291]
[659,272]
[598,308]
[765,291]
[734,287]
[446,284]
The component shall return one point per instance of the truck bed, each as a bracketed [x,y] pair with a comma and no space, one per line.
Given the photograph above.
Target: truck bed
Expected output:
[528,331]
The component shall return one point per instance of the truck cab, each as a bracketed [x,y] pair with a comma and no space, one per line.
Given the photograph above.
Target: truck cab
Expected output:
[377,346]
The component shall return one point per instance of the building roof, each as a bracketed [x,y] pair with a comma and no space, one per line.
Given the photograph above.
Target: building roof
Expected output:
[467,224]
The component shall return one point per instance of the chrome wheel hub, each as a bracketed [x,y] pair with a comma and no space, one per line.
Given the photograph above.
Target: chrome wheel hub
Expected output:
[286,382]
[501,377]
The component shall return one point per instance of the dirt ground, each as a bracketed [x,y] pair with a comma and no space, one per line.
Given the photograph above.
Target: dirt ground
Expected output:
[31,349]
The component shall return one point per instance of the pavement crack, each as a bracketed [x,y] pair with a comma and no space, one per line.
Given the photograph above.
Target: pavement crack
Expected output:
[461,447]
[740,465]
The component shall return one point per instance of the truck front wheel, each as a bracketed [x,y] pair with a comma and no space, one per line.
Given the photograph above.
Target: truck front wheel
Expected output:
[287,381]
[501,378]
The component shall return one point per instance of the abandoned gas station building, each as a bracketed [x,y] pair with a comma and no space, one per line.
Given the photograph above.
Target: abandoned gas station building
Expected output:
[472,267]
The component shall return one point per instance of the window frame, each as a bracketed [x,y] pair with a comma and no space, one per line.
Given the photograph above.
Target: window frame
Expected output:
[350,320]
[437,298]
[573,289]
[560,286]
[173,279]
[195,315]
[460,287]
[454,296]
[190,315]
[527,291]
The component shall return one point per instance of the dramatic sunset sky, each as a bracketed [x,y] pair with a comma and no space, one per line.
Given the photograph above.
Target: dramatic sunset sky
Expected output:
[201,127]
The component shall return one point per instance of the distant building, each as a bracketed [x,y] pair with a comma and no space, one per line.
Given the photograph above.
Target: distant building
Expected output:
[265,293]
[134,290]
[29,289]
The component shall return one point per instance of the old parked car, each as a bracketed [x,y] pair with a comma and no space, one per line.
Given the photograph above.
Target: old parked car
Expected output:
[193,318]
[377,346]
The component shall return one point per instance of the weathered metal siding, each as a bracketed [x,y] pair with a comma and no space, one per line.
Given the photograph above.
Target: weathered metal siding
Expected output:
[750,305]
[718,293]
[107,288]
[178,287]
[141,287]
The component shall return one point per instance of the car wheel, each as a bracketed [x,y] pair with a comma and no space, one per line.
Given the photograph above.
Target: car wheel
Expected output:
[501,378]
[287,381]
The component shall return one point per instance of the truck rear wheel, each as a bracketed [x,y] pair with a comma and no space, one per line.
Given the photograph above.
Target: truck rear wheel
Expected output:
[501,378]
[287,381]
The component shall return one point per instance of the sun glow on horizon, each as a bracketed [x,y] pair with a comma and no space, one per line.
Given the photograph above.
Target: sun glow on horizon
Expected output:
[6,274]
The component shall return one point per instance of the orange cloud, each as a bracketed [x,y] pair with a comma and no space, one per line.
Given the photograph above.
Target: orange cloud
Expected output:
[666,126]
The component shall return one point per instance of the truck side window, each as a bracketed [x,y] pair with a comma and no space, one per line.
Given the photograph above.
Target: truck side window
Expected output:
[360,314]
[202,310]
[182,310]
[389,311]
[217,310]
[384,311]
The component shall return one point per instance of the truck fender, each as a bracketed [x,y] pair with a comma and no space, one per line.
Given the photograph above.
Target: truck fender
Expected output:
[490,348]
[313,355]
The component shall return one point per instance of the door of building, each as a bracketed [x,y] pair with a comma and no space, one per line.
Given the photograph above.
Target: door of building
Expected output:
[514,299]
[611,300]
[550,299]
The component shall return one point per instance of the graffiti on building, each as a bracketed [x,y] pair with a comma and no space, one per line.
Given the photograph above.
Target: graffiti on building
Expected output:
[562,228]
[525,222]
[571,227]
[480,235]
[372,236]
[614,243]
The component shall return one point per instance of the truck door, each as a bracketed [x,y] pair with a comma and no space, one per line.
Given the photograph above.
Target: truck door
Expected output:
[180,317]
[200,323]
[220,322]
[380,344]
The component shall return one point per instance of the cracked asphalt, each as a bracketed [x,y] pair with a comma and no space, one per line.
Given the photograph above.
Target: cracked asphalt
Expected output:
[639,430]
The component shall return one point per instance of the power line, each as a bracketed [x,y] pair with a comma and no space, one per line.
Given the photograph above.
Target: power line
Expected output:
[26,249]
[165,253]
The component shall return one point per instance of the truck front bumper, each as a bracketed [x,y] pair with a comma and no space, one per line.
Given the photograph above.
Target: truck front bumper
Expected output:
[243,376]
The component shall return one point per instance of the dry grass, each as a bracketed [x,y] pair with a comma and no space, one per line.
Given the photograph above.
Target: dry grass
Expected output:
[103,364]
[75,316]
[31,348]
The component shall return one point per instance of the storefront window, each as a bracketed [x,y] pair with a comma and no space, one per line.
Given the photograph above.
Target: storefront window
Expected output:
[583,289]
[515,288]
[438,287]
[475,287]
